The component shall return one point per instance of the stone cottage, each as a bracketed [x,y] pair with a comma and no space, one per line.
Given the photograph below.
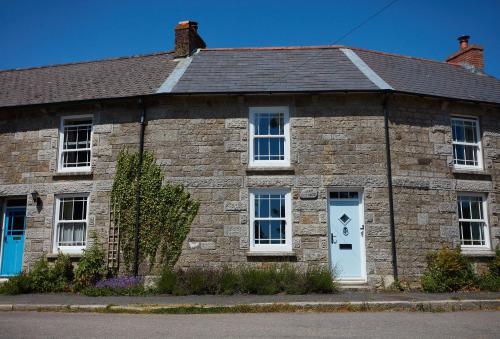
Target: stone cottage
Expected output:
[354,159]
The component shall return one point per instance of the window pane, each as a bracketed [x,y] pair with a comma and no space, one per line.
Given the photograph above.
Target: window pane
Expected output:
[275,207]
[277,146]
[458,130]
[276,124]
[459,154]
[470,132]
[476,233]
[466,209]
[276,232]
[466,233]
[262,145]
[470,155]
[264,207]
[475,209]
[66,209]
[262,124]
[79,212]
[263,231]
[70,138]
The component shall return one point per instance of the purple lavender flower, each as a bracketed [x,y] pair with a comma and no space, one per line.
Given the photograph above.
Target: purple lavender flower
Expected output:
[119,282]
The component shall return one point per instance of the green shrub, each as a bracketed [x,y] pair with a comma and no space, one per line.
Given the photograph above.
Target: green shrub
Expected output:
[319,280]
[272,280]
[259,281]
[47,278]
[290,280]
[167,281]
[17,285]
[494,265]
[196,281]
[447,271]
[43,278]
[92,265]
[229,282]
[490,280]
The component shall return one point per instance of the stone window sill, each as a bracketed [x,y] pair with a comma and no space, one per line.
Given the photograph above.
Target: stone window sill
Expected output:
[53,256]
[471,172]
[271,254]
[63,175]
[270,170]
[478,252]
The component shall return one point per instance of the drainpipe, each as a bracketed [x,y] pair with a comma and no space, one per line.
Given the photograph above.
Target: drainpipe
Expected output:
[138,189]
[389,186]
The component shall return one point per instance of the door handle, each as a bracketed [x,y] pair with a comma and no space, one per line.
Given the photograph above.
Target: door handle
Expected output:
[333,238]
[362,227]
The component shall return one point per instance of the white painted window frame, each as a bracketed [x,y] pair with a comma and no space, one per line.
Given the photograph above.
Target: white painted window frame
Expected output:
[286,129]
[479,165]
[287,246]
[69,249]
[60,167]
[486,230]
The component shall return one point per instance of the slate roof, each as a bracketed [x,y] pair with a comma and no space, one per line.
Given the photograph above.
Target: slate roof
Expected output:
[263,70]
[244,70]
[111,78]
[428,77]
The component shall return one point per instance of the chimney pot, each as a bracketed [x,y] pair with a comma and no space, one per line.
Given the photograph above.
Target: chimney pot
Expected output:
[187,40]
[464,41]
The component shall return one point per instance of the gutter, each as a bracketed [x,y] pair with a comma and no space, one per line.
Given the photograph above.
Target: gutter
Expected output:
[138,188]
[389,187]
[236,93]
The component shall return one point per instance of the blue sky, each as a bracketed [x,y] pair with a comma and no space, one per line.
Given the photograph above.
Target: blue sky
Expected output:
[35,33]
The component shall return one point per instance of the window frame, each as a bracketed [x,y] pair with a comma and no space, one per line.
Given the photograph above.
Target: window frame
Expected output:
[253,111]
[287,246]
[60,168]
[484,205]
[479,165]
[57,207]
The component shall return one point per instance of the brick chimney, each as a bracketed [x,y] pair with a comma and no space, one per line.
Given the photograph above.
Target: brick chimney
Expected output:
[469,56]
[187,40]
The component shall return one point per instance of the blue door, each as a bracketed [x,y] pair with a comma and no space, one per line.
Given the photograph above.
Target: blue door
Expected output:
[13,241]
[346,232]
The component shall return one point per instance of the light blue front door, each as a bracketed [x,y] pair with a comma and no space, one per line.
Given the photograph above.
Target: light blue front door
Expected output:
[13,241]
[346,232]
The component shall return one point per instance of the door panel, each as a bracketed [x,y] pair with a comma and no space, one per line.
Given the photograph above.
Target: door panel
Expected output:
[345,236]
[13,241]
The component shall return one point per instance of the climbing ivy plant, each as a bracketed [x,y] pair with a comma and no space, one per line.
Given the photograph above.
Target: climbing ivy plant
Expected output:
[167,211]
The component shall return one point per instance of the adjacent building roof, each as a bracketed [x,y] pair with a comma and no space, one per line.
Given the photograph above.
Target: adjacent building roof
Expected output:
[111,78]
[245,70]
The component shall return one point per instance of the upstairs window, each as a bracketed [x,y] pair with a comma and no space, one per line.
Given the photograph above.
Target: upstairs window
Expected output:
[71,221]
[472,220]
[269,136]
[75,142]
[466,143]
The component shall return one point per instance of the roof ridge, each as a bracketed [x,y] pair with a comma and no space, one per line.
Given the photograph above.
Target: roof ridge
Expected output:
[271,48]
[87,61]
[321,47]
[400,55]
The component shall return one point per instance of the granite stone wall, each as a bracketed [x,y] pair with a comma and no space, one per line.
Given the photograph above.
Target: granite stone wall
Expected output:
[337,141]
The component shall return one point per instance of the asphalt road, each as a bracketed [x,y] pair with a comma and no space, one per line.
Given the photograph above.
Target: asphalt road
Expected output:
[271,325]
